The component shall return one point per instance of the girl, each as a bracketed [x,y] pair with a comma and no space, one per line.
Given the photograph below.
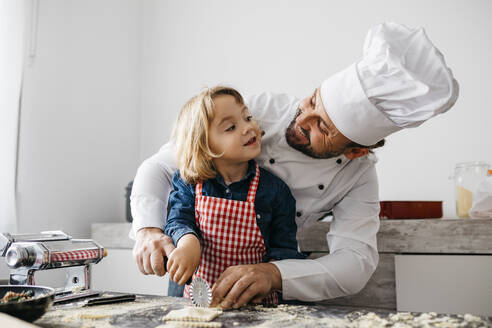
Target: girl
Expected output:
[224,210]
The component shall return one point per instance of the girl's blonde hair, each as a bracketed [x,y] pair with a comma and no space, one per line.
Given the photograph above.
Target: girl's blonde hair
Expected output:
[190,134]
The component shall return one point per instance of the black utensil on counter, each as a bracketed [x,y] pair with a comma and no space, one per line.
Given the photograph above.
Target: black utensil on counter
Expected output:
[104,299]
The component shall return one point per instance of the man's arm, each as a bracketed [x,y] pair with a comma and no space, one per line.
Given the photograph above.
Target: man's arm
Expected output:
[353,249]
[151,188]
[344,272]
[150,193]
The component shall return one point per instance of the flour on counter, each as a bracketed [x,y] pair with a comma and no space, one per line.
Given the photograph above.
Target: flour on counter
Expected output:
[99,316]
[407,320]
[285,316]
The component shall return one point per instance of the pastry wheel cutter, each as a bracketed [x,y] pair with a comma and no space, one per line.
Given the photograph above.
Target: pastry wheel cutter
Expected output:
[200,291]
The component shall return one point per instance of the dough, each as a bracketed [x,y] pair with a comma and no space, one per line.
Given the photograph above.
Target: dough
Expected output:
[192,314]
[191,324]
[92,316]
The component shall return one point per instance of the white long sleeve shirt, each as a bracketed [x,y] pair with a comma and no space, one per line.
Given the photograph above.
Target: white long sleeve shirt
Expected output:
[349,188]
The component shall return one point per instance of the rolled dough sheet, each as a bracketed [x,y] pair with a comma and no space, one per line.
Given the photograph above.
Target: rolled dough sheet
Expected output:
[190,324]
[192,314]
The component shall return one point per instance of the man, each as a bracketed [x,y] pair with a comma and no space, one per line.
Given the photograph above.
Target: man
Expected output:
[320,147]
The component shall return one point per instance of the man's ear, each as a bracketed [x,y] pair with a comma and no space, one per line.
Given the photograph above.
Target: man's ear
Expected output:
[355,152]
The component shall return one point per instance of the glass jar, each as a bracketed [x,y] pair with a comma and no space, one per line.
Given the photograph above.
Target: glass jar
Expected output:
[466,178]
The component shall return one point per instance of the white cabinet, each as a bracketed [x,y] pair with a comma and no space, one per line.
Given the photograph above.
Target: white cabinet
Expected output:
[444,283]
[118,272]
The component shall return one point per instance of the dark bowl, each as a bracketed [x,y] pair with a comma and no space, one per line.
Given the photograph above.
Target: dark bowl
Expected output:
[28,310]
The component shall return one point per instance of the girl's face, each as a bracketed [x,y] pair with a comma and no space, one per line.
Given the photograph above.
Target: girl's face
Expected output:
[233,132]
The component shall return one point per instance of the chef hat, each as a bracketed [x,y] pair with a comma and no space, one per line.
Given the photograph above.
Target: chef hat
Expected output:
[401,81]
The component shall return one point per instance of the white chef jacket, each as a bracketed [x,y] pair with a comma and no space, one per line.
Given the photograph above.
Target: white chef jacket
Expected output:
[349,188]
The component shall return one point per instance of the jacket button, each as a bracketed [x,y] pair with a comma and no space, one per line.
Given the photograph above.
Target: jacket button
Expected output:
[321,187]
[258,216]
[272,161]
[339,161]
[298,214]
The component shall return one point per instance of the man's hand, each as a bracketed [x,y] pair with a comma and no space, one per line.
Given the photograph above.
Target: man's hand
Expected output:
[184,259]
[240,284]
[150,248]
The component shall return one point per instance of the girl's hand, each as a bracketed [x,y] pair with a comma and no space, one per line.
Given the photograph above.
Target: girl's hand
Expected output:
[183,260]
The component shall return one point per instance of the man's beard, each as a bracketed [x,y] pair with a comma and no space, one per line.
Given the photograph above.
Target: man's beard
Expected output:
[306,149]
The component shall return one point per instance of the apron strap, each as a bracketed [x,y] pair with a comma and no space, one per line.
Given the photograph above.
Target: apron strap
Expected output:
[198,195]
[198,189]
[253,186]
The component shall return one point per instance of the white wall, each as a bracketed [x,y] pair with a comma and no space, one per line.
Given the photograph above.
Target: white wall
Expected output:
[290,46]
[13,19]
[79,129]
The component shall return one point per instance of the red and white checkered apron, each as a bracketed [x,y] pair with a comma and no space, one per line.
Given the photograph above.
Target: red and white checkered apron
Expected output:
[230,235]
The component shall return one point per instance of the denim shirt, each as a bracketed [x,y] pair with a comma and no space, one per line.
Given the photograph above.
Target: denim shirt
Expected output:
[274,206]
